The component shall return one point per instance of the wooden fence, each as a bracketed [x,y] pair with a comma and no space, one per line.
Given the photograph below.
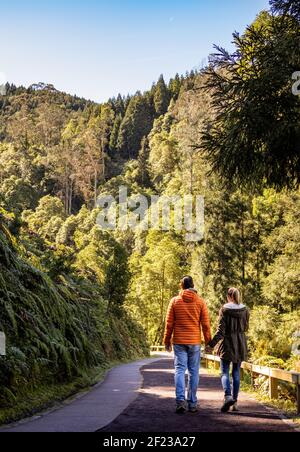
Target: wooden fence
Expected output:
[275,375]
[157,348]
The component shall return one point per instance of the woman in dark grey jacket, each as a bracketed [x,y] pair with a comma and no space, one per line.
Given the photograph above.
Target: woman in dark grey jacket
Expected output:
[232,348]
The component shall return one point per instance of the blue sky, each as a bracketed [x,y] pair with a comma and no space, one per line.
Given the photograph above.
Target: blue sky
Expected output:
[97,49]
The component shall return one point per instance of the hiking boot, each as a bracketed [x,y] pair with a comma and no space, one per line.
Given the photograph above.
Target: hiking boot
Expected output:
[235,407]
[193,409]
[181,408]
[228,403]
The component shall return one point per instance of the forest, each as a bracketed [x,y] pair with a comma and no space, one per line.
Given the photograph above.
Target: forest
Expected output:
[73,296]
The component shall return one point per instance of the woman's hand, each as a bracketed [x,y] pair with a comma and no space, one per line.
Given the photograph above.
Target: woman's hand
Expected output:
[209,350]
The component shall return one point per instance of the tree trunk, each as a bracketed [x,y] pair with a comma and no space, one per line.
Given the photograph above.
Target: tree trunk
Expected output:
[103,161]
[243,255]
[257,259]
[70,198]
[66,200]
[95,187]
[191,173]
[162,305]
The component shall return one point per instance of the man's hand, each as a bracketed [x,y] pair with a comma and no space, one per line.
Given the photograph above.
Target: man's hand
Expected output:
[169,348]
[209,350]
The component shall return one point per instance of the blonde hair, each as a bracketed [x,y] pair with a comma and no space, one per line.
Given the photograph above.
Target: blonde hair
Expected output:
[235,295]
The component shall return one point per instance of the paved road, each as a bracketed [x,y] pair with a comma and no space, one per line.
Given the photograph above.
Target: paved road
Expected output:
[153,410]
[93,410]
[131,401]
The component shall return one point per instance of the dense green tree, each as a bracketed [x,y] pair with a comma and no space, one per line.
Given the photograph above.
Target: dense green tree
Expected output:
[161,97]
[225,251]
[57,330]
[47,219]
[286,7]
[117,278]
[143,177]
[164,154]
[255,137]
[175,86]
[17,194]
[115,133]
[119,105]
[156,277]
[136,124]
[58,152]
[93,145]
[281,286]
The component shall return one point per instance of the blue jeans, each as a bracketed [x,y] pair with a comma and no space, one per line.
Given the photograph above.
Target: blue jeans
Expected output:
[236,379]
[187,357]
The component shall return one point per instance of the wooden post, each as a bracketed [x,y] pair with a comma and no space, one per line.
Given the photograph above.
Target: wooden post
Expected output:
[242,374]
[252,379]
[298,397]
[273,388]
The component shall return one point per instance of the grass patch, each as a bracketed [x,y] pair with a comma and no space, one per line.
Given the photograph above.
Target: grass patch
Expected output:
[42,398]
[286,407]
[211,368]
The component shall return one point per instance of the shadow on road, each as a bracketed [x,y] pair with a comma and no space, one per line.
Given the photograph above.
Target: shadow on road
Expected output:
[154,409]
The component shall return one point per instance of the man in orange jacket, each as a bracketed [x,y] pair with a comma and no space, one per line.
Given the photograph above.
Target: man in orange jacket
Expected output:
[187,314]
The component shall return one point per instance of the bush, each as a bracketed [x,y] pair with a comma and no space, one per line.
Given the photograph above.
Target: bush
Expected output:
[271,333]
[55,331]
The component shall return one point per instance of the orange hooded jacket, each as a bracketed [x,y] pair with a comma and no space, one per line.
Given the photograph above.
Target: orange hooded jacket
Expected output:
[187,314]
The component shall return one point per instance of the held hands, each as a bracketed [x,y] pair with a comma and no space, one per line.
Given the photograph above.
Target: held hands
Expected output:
[209,350]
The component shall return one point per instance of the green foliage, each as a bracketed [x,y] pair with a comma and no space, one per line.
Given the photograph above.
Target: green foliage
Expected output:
[283,281]
[175,86]
[115,133]
[156,275]
[21,178]
[286,7]
[117,278]
[164,155]
[136,124]
[143,176]
[161,97]
[55,330]
[47,218]
[255,135]
[18,194]
[69,291]
[271,333]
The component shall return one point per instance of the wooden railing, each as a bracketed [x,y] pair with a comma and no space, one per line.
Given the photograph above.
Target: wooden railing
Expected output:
[275,375]
[157,348]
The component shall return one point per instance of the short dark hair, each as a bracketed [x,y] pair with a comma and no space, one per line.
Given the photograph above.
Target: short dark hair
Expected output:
[187,283]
